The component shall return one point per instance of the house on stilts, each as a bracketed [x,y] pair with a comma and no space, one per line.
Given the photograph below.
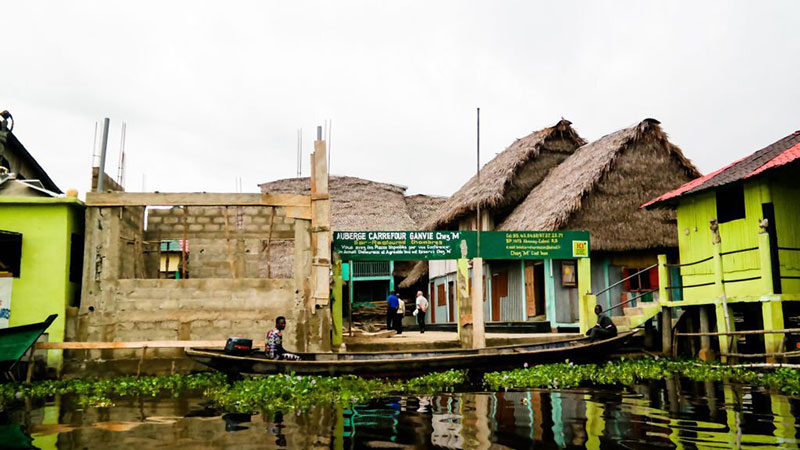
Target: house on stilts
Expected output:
[738,232]
[596,187]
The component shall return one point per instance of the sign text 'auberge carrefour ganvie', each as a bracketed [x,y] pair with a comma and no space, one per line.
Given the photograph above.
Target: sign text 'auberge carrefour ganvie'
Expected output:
[429,245]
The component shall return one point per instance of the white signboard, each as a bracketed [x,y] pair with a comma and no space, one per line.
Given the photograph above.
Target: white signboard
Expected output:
[5,301]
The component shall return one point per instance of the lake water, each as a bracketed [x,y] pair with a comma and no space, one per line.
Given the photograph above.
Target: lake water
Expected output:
[664,414]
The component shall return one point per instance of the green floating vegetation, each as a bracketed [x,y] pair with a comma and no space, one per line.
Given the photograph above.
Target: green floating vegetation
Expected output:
[100,392]
[631,371]
[271,393]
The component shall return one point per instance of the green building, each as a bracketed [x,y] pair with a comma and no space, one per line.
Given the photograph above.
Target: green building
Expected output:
[41,246]
[739,242]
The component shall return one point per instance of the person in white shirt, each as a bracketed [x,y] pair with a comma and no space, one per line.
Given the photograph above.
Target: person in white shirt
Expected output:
[401,311]
[422,308]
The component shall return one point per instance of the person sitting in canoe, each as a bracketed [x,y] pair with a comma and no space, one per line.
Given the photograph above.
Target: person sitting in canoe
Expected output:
[604,329]
[274,342]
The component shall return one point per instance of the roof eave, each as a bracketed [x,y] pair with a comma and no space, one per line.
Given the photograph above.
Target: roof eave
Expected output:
[43,177]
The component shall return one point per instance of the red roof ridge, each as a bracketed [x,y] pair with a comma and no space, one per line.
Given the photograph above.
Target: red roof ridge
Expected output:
[691,184]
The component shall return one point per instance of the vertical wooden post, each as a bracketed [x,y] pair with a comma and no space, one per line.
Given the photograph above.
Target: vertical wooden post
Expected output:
[771,307]
[350,301]
[391,275]
[666,312]
[320,226]
[663,279]
[464,304]
[705,354]
[524,291]
[337,304]
[586,300]
[550,294]
[478,326]
[141,361]
[607,280]
[724,324]
[29,372]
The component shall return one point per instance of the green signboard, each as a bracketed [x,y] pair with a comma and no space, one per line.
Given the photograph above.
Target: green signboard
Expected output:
[534,244]
[429,245]
[403,245]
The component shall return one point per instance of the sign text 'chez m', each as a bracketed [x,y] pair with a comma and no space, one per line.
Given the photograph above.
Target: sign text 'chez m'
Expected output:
[427,245]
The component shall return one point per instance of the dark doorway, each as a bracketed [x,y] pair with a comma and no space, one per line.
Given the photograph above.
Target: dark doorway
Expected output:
[451,291]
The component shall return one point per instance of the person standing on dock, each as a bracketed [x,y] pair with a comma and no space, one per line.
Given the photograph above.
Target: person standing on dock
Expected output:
[391,311]
[604,329]
[422,308]
[401,312]
[274,342]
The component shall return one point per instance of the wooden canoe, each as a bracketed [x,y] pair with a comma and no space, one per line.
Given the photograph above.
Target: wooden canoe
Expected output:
[406,364]
[15,341]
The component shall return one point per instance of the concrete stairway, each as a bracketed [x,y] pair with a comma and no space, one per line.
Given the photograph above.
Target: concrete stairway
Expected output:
[636,316]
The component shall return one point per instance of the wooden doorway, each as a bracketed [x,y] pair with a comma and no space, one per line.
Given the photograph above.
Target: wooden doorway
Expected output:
[534,288]
[432,304]
[499,290]
[441,298]
[451,300]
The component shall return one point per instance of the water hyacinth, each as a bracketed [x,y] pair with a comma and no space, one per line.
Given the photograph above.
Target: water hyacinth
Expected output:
[631,371]
[271,393]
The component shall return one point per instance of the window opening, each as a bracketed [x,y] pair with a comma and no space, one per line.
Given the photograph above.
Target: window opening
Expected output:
[75,257]
[730,203]
[10,253]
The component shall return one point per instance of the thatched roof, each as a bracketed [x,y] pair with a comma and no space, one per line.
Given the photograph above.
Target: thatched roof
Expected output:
[419,270]
[505,180]
[422,207]
[509,176]
[601,187]
[359,204]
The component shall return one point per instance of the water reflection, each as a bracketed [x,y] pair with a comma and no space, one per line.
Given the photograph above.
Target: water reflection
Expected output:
[670,413]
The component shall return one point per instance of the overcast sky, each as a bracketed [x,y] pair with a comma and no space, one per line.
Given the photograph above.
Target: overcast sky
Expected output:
[211,92]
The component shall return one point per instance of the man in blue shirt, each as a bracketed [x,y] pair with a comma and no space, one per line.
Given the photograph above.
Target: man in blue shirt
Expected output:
[391,311]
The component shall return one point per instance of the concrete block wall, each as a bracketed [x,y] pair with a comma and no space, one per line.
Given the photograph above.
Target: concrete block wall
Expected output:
[191,309]
[217,250]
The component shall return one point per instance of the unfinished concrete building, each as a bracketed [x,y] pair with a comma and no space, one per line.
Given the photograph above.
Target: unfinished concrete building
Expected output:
[244,260]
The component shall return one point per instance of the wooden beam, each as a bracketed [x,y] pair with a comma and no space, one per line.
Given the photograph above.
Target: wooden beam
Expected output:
[134,344]
[195,199]
[298,212]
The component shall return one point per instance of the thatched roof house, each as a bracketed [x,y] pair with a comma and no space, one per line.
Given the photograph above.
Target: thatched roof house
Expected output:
[359,204]
[601,186]
[422,208]
[509,176]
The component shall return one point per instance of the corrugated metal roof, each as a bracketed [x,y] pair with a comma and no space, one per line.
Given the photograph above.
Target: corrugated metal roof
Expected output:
[775,155]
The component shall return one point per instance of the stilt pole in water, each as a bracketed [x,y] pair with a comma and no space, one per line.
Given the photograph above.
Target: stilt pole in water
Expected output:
[666,312]
[706,354]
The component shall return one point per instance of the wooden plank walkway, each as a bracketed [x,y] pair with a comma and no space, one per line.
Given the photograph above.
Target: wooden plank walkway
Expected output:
[134,344]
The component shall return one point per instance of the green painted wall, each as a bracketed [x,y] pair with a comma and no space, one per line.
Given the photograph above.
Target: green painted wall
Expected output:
[694,238]
[43,287]
[786,198]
